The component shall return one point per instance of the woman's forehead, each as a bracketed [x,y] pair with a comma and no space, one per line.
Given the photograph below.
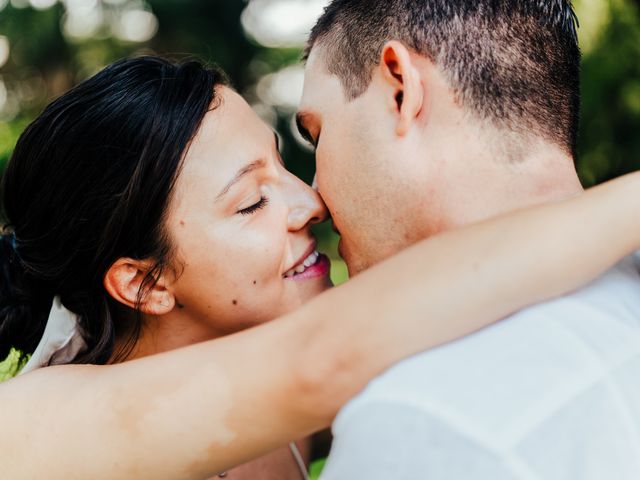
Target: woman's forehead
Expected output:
[231,136]
[232,120]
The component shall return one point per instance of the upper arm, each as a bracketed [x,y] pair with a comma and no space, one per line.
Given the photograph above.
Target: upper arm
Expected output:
[188,413]
[35,411]
[382,440]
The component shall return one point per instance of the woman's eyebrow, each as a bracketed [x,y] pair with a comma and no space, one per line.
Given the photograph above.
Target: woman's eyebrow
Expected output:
[241,173]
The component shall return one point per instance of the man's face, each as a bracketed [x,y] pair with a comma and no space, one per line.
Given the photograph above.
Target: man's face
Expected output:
[365,173]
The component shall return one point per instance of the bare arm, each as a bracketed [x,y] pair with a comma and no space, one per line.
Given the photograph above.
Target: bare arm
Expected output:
[195,411]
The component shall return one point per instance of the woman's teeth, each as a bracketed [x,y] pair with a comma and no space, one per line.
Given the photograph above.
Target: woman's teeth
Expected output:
[307,262]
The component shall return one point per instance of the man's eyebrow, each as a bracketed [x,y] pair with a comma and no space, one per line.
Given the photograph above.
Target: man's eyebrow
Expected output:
[241,173]
[301,120]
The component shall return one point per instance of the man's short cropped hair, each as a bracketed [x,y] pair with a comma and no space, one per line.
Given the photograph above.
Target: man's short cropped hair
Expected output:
[513,62]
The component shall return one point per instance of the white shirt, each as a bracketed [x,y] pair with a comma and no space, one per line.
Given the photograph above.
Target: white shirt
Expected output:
[551,393]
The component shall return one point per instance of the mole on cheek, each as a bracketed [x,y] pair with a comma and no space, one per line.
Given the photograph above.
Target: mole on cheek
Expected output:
[254,282]
[182,223]
[235,302]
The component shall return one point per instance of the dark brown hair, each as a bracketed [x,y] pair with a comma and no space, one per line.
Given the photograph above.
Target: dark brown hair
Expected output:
[89,182]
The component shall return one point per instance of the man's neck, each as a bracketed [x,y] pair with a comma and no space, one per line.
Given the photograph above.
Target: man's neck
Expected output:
[554,182]
[538,179]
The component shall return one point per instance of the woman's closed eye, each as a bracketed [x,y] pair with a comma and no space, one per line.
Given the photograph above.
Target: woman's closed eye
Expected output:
[255,207]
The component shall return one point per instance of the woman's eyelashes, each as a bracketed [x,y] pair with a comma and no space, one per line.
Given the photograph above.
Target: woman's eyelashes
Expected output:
[255,207]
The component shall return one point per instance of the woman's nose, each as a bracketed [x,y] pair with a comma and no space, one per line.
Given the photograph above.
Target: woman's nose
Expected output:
[306,206]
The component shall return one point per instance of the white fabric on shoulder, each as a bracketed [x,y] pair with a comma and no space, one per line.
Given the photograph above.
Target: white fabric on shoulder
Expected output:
[551,393]
[61,341]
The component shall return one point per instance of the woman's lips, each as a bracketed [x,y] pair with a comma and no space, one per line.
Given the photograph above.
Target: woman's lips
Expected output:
[319,269]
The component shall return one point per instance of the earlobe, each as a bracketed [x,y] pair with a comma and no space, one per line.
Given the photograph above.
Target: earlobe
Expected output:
[126,277]
[400,72]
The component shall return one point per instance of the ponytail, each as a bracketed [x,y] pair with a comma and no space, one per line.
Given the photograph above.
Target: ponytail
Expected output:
[24,304]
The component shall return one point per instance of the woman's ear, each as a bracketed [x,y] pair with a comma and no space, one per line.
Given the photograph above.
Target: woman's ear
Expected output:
[124,279]
[400,72]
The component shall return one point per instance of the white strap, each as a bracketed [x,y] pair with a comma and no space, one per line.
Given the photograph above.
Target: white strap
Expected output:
[298,458]
[61,341]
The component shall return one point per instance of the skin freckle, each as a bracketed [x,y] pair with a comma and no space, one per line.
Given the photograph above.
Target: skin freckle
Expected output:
[235,302]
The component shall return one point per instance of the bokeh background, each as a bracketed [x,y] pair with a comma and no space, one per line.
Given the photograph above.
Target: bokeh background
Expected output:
[47,46]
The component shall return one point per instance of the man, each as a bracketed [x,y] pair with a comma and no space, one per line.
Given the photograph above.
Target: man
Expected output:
[428,115]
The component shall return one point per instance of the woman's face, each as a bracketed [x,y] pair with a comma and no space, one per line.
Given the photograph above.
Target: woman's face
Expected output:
[240,223]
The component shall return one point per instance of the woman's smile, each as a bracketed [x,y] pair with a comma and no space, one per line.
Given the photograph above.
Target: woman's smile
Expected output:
[313,266]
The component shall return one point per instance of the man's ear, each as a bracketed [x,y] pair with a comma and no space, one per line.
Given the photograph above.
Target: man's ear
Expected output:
[399,71]
[124,279]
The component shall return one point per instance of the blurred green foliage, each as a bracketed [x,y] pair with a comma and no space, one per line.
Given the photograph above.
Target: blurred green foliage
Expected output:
[609,143]
[11,365]
[44,62]
[316,469]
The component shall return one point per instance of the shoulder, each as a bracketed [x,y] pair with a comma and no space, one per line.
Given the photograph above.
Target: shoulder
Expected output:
[521,367]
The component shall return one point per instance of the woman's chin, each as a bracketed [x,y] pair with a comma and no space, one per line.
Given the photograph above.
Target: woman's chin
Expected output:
[300,292]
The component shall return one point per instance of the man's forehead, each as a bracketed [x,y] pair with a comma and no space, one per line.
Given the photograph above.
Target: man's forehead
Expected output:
[321,88]
[312,81]
[314,61]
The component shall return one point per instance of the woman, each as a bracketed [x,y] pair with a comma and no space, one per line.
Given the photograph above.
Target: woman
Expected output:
[154,204]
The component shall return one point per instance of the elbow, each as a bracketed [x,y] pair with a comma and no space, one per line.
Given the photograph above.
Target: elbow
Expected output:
[323,383]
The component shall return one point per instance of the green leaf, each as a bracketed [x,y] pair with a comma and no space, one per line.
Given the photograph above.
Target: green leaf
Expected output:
[316,468]
[11,366]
